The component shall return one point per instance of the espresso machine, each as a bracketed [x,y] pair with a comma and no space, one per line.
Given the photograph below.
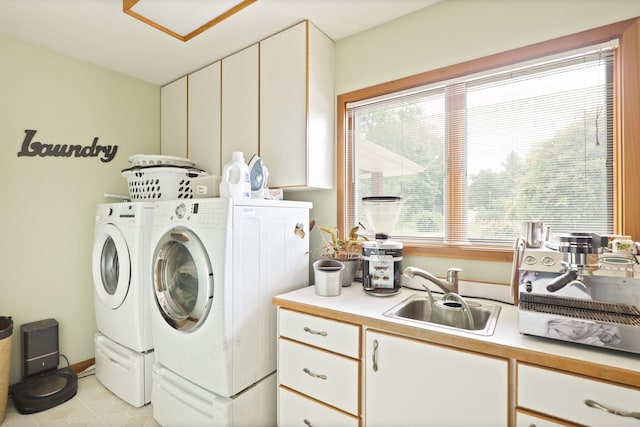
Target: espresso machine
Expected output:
[580,292]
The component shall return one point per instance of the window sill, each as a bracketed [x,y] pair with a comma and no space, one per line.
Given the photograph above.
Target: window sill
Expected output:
[473,252]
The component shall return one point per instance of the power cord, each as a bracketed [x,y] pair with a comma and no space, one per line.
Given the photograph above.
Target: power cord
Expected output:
[65,358]
[91,370]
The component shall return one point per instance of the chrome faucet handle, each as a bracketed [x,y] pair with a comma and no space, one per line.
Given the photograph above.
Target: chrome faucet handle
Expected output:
[452,274]
[452,277]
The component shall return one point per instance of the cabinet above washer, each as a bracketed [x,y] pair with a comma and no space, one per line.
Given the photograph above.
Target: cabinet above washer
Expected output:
[297,107]
[275,99]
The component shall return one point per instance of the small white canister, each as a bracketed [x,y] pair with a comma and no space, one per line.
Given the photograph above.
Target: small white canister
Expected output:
[328,277]
[622,244]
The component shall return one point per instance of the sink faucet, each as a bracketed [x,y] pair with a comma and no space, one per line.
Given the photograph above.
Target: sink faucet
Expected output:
[451,285]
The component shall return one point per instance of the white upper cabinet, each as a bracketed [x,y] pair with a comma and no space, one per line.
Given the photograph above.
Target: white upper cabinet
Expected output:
[297,107]
[173,118]
[274,99]
[204,118]
[240,103]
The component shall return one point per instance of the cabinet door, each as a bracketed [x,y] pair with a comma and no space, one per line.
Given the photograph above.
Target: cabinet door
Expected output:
[173,118]
[297,107]
[332,335]
[283,106]
[321,120]
[204,118]
[324,376]
[240,104]
[413,383]
[296,410]
[525,419]
[565,396]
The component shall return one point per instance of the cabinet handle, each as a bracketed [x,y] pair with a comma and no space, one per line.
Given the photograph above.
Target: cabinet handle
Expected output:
[314,375]
[306,422]
[374,358]
[311,331]
[593,404]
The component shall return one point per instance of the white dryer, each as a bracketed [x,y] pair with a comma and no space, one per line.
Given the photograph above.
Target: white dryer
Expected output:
[122,299]
[217,263]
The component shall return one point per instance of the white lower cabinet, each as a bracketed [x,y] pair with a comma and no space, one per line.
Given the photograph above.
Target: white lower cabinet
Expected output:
[332,372]
[525,419]
[297,410]
[414,383]
[318,371]
[328,377]
[572,398]
[327,334]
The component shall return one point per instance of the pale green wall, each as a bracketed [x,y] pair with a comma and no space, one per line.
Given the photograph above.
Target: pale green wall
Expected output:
[47,211]
[48,204]
[447,33]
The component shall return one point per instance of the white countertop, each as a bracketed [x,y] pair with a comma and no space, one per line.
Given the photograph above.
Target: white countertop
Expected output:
[355,305]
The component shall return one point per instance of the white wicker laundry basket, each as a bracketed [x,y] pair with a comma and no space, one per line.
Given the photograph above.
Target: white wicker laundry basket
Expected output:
[161,182]
[159,160]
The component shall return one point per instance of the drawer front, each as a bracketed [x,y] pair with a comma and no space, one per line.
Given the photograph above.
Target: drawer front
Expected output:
[564,395]
[327,377]
[298,411]
[332,335]
[524,419]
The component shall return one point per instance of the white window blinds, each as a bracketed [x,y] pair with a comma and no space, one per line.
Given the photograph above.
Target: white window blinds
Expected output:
[475,157]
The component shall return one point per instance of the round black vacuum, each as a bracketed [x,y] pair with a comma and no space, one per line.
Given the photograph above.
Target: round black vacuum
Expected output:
[44,391]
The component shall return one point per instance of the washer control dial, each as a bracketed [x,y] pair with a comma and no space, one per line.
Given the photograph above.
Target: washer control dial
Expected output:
[181,209]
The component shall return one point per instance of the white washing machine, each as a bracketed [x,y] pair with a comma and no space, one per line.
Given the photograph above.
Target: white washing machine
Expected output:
[122,299]
[217,263]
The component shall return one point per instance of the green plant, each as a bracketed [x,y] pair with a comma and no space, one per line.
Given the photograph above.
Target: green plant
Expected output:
[336,247]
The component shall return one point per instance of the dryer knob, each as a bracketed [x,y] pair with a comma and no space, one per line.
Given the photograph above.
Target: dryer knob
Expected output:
[105,212]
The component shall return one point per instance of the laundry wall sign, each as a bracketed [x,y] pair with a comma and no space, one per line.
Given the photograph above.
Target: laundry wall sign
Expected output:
[32,148]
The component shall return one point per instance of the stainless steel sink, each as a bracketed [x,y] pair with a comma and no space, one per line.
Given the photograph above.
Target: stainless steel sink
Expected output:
[419,308]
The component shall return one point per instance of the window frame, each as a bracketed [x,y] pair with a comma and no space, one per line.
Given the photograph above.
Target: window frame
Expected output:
[626,132]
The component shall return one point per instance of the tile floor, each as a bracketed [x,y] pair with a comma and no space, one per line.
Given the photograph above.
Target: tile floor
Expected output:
[92,406]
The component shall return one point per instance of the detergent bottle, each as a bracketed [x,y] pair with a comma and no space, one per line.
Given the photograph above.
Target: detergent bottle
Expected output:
[234,182]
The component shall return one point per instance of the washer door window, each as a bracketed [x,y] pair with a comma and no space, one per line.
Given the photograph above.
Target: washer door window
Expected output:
[183,280]
[111,265]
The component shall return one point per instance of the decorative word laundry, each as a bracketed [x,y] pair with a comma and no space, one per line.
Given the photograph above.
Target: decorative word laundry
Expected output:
[31,148]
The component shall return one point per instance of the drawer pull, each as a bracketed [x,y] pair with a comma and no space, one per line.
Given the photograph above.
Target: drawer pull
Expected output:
[306,422]
[314,375]
[593,404]
[375,356]
[311,331]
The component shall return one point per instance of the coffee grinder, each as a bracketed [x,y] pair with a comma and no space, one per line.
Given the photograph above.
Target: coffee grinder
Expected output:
[382,257]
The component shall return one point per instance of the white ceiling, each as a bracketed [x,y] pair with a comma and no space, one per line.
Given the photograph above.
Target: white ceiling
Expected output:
[99,32]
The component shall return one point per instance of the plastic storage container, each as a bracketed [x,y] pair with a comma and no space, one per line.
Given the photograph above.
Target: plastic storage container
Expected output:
[235,181]
[6,329]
